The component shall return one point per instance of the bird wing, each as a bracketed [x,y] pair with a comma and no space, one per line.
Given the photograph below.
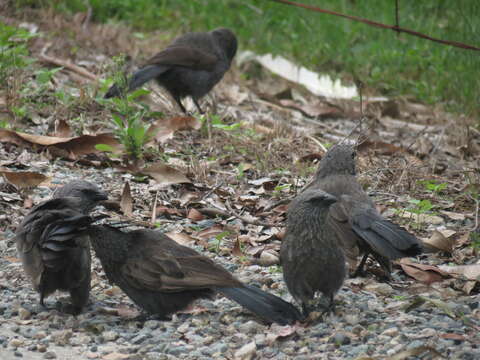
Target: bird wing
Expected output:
[40,243]
[384,237]
[184,56]
[164,265]
[338,219]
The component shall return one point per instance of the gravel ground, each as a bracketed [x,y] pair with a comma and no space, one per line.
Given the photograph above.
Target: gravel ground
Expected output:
[372,320]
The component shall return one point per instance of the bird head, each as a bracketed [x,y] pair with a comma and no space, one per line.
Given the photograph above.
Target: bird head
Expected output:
[227,41]
[90,194]
[339,160]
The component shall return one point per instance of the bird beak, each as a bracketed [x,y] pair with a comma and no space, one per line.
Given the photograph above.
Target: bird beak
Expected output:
[330,199]
[101,196]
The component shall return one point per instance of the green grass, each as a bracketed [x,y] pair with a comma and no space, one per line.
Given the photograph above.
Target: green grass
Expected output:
[395,65]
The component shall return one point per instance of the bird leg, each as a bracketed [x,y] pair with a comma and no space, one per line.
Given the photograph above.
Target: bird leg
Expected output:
[359,271]
[198,106]
[69,309]
[179,102]
[42,302]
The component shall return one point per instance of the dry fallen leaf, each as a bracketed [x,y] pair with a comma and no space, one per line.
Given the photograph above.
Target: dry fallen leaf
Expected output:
[440,241]
[24,179]
[62,129]
[76,146]
[195,215]
[424,273]
[126,202]
[164,174]
[277,331]
[181,238]
[163,129]
[470,272]
[453,215]
[210,232]
[237,249]
[422,218]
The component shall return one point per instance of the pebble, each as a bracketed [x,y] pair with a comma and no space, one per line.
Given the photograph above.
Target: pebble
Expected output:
[24,314]
[15,343]
[246,352]
[110,335]
[49,355]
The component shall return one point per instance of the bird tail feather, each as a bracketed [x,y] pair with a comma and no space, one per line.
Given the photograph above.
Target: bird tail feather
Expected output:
[138,79]
[265,305]
[389,239]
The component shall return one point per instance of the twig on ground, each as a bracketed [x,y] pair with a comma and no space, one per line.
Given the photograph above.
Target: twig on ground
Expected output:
[68,65]
[217,211]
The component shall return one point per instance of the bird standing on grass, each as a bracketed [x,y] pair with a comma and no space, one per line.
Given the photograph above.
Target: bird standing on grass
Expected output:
[354,218]
[59,262]
[311,256]
[163,277]
[190,66]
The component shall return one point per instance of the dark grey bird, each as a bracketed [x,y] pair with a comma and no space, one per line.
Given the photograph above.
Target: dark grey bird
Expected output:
[163,277]
[190,66]
[60,262]
[311,256]
[357,223]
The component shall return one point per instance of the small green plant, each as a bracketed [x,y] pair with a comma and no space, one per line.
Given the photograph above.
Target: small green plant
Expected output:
[218,241]
[13,50]
[279,189]
[275,269]
[475,241]
[240,171]
[433,186]
[219,124]
[132,133]
[420,206]
[127,114]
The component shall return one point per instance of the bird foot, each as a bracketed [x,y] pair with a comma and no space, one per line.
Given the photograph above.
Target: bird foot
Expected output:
[68,308]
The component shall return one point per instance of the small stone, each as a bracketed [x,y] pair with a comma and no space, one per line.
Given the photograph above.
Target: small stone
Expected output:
[393,331]
[15,343]
[80,339]
[49,355]
[246,352]
[62,337]
[219,348]
[183,328]
[357,329]
[340,339]
[110,335]
[41,348]
[151,324]
[250,327]
[24,314]
[414,344]
[351,319]
[18,354]
[137,340]
[115,356]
